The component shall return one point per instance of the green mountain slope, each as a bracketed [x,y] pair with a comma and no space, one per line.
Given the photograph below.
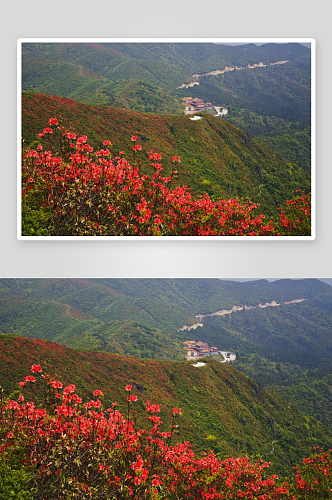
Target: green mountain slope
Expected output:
[216,157]
[310,391]
[51,320]
[272,103]
[76,82]
[222,408]
[165,304]
[162,64]
[299,333]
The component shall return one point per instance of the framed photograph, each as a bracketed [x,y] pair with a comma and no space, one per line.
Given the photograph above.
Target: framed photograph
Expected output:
[148,138]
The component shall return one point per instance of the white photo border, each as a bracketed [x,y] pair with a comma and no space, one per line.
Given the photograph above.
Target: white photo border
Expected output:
[258,40]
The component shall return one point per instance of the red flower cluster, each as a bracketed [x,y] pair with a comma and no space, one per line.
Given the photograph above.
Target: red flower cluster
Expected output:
[88,193]
[36,368]
[314,478]
[103,453]
[295,219]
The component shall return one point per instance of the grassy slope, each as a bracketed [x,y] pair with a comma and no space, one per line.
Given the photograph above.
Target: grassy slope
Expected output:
[215,156]
[217,400]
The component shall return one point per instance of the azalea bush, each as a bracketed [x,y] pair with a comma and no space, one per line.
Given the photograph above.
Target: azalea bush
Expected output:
[55,446]
[295,218]
[314,477]
[68,189]
[76,450]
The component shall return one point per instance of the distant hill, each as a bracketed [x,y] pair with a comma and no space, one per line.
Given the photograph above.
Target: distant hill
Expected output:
[160,303]
[216,157]
[166,65]
[223,409]
[109,314]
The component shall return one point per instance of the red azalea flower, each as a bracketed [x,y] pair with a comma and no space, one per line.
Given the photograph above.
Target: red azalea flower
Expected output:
[177,410]
[77,399]
[48,131]
[57,384]
[70,388]
[128,387]
[82,139]
[36,368]
[98,393]
[134,137]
